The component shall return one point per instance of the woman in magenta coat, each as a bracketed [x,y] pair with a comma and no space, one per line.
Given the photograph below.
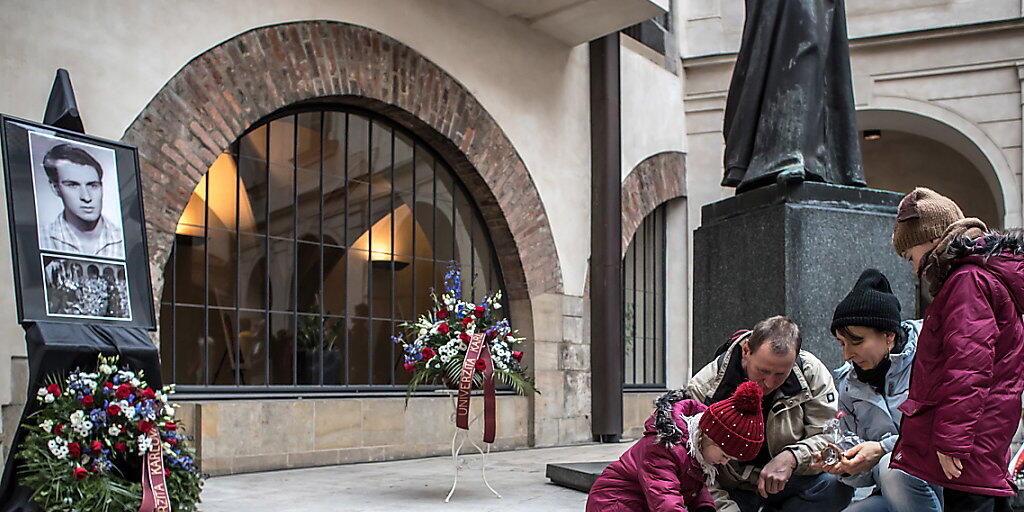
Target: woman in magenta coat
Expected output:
[964,402]
[669,468]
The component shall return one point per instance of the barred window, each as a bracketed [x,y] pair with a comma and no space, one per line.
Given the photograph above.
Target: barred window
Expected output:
[643,276]
[303,249]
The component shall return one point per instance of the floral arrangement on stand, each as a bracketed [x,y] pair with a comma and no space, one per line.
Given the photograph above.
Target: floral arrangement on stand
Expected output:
[85,447]
[435,346]
[1017,467]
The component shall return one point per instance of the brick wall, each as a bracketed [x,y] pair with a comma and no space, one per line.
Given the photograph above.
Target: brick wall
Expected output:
[225,90]
[659,178]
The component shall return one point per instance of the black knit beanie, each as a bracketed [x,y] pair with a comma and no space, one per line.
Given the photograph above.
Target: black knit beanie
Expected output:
[871,303]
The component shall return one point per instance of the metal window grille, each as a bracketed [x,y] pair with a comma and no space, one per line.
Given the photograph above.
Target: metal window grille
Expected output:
[643,276]
[304,248]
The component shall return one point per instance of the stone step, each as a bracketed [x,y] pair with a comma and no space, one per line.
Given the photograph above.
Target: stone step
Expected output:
[575,475]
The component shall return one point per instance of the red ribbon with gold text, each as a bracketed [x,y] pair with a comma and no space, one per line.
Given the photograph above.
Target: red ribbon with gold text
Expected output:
[155,497]
[478,350]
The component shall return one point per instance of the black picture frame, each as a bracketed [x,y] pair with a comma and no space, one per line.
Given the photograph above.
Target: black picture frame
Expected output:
[31,286]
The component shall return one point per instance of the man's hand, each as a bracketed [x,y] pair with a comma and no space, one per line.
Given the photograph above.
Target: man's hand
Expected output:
[817,462]
[951,466]
[776,474]
[862,457]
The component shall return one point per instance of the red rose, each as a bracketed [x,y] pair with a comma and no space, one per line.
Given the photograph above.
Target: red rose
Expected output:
[87,401]
[428,353]
[81,473]
[144,426]
[171,425]
[480,365]
[443,328]
[75,450]
[409,367]
[123,391]
[517,355]
[53,389]
[465,337]
[59,430]
[442,314]
[479,311]
[172,441]
[120,447]
[97,446]
[149,393]
[466,321]
[113,409]
[108,385]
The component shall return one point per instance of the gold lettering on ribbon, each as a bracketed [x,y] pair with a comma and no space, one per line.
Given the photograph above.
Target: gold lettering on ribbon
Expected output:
[155,497]
[476,343]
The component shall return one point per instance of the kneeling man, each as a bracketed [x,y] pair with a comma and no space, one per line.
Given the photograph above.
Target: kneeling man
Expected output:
[799,398]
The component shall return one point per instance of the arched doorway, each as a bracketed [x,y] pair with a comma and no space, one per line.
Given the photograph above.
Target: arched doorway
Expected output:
[907,143]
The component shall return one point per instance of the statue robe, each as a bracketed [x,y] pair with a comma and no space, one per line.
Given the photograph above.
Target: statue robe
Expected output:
[790,103]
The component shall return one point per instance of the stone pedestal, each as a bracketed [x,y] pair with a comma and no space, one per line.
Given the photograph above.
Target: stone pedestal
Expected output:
[795,250]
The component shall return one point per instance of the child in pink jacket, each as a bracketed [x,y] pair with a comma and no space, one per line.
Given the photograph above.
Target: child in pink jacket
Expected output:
[669,469]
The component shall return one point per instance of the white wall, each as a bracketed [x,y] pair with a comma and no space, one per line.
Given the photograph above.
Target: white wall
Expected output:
[679,366]
[716,26]
[652,107]
[120,53]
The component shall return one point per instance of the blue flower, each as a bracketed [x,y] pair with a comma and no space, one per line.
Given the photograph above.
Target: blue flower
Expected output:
[99,417]
[453,281]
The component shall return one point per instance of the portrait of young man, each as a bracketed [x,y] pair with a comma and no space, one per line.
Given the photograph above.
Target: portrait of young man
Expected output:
[76,202]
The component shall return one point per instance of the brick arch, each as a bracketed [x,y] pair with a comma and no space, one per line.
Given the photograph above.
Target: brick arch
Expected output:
[658,178]
[228,88]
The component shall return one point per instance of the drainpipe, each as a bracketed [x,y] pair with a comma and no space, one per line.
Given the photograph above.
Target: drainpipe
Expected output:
[605,240]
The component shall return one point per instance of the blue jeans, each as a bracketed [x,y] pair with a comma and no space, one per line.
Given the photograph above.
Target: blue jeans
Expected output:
[899,492]
[820,493]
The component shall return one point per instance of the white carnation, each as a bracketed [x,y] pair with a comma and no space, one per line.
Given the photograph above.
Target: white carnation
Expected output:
[84,428]
[145,443]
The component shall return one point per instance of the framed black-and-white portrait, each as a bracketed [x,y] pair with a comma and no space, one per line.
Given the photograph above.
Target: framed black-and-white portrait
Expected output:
[78,203]
[77,228]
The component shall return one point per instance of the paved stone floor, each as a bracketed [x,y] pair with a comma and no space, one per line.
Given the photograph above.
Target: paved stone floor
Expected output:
[409,485]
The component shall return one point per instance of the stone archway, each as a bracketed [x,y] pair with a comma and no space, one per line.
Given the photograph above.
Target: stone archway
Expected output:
[225,90]
[934,124]
[657,179]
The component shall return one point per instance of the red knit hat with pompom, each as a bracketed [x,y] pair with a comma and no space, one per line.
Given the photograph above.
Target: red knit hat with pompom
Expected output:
[736,424]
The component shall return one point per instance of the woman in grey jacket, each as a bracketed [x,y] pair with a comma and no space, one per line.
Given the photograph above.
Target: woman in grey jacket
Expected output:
[879,351]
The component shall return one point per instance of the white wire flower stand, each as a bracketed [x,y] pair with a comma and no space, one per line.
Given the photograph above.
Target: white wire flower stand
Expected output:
[460,461]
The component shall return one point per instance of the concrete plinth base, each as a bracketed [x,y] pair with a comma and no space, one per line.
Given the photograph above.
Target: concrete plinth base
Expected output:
[575,475]
[792,250]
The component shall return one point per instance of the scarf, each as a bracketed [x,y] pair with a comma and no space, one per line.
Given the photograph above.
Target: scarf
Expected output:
[874,377]
[693,448]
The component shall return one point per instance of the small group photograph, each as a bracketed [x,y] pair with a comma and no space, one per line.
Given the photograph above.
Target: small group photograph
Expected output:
[85,288]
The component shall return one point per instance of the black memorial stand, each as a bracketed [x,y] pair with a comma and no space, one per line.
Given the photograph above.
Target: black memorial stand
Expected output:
[57,348]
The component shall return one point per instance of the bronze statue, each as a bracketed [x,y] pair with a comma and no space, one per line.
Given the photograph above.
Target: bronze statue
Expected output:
[790,105]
